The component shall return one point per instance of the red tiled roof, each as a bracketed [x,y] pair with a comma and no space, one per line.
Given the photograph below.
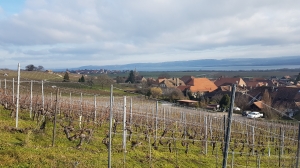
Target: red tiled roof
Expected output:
[259,104]
[201,85]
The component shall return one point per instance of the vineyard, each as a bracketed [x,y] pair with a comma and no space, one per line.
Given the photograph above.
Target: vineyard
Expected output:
[69,126]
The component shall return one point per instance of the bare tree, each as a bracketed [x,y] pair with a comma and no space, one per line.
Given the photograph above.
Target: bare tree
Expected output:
[30,67]
[267,109]
[241,101]
[217,98]
[173,94]
[104,80]
[90,81]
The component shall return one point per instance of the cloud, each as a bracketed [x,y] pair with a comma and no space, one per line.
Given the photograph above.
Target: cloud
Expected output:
[116,32]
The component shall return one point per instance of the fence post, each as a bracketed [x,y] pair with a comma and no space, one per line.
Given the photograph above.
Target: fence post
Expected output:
[18,96]
[224,127]
[51,100]
[205,134]
[164,113]
[124,125]
[70,105]
[43,98]
[59,104]
[124,131]
[30,108]
[280,143]
[130,111]
[110,126]
[54,124]
[253,139]
[298,148]
[228,130]
[156,116]
[95,108]
[5,86]
[80,116]
[13,90]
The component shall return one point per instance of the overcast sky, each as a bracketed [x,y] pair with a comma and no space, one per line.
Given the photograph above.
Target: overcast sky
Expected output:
[73,33]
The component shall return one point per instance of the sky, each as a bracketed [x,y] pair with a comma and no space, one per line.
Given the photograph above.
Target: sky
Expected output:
[73,33]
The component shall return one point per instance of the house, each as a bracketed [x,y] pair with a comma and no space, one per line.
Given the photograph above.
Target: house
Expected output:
[222,90]
[221,81]
[286,81]
[284,99]
[198,87]
[170,83]
[260,83]
[140,79]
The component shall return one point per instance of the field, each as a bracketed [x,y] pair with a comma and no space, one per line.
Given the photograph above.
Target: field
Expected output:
[216,74]
[68,126]
[166,137]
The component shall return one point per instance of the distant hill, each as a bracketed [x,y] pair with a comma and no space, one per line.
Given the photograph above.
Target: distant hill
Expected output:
[285,62]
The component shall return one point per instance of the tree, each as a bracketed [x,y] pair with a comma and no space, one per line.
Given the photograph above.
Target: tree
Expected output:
[66,77]
[40,68]
[155,92]
[225,102]
[104,80]
[90,81]
[266,106]
[143,88]
[176,94]
[241,101]
[30,67]
[81,79]
[217,98]
[131,77]
[120,79]
[297,79]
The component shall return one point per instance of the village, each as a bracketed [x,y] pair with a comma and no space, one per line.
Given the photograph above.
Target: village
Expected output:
[275,97]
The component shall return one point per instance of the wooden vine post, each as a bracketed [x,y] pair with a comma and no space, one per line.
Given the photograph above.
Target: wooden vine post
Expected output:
[228,130]
[30,108]
[54,122]
[110,126]
[18,96]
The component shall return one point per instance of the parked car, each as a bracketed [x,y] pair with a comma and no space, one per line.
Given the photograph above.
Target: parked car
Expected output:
[236,109]
[255,114]
[245,113]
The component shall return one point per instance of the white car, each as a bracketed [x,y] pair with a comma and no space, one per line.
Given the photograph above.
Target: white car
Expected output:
[255,114]
[236,108]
